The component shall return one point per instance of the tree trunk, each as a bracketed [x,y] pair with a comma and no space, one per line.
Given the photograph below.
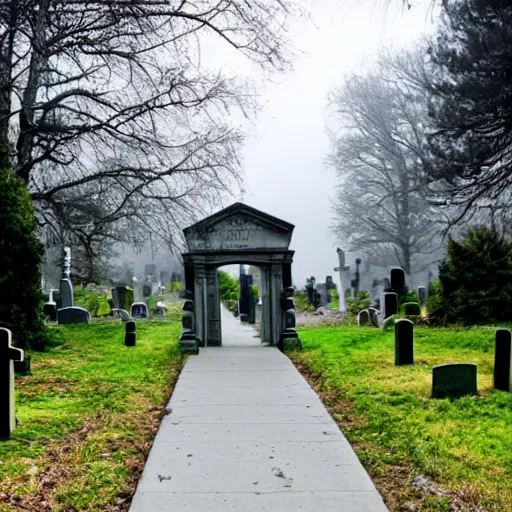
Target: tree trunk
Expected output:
[6,63]
[38,62]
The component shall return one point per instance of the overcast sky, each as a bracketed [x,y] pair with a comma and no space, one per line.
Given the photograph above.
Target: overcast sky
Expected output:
[284,157]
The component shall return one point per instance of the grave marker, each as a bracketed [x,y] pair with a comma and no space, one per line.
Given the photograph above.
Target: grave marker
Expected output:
[422,295]
[139,310]
[389,304]
[363,318]
[404,342]
[65,286]
[8,354]
[73,315]
[454,380]
[398,281]
[412,309]
[503,360]
[130,337]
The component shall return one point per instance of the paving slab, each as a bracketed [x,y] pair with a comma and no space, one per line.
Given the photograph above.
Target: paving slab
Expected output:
[246,432]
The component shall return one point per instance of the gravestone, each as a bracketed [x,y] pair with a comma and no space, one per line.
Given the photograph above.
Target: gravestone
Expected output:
[73,315]
[363,318]
[311,289]
[412,309]
[65,285]
[146,289]
[324,296]
[374,317]
[8,354]
[67,313]
[404,346]
[422,295]
[139,310]
[454,380]
[130,336]
[50,308]
[354,283]
[503,360]
[188,339]
[398,281]
[289,339]
[389,305]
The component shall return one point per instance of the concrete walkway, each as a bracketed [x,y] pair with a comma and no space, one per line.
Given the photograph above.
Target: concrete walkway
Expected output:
[247,433]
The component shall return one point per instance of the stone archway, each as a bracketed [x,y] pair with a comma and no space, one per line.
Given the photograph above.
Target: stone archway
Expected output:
[237,234]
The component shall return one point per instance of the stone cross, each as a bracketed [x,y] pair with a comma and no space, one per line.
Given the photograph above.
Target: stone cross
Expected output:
[8,354]
[343,270]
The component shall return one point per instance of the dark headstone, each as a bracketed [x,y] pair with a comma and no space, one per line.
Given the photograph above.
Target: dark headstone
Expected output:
[311,289]
[363,318]
[23,367]
[374,317]
[412,309]
[503,360]
[130,337]
[8,354]
[454,380]
[50,311]
[404,334]
[330,283]
[188,339]
[422,295]
[289,339]
[73,315]
[146,290]
[389,304]
[398,281]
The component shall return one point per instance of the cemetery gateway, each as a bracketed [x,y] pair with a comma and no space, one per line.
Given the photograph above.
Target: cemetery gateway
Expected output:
[237,234]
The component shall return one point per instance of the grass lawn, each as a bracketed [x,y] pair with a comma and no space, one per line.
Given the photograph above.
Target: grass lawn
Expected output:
[87,417]
[463,447]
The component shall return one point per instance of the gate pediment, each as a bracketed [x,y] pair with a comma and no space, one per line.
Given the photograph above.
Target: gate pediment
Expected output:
[239,228]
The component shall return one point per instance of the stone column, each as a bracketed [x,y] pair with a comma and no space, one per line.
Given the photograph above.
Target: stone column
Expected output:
[276,287]
[287,275]
[65,286]
[265,307]
[200,304]
[213,308]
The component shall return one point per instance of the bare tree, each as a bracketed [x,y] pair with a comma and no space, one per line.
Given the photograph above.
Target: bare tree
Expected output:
[378,136]
[111,96]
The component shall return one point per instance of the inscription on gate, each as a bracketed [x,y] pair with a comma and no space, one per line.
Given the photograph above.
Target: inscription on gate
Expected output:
[235,238]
